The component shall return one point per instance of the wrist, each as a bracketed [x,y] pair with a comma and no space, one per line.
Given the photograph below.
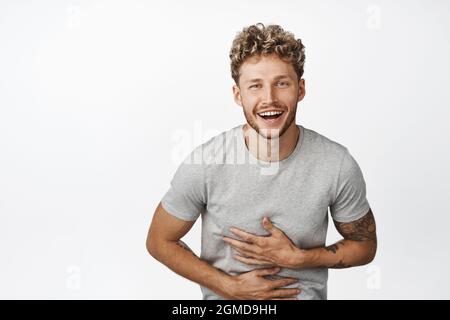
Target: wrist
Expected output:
[226,285]
[302,259]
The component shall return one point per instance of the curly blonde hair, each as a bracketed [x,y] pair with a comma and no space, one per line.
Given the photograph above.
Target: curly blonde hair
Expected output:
[257,40]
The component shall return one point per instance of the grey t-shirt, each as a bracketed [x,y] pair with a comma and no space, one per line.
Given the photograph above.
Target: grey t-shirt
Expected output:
[222,182]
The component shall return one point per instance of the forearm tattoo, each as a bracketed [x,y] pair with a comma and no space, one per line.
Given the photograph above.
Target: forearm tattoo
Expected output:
[332,248]
[363,229]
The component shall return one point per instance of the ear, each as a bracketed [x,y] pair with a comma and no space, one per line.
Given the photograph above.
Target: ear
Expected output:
[301,89]
[237,95]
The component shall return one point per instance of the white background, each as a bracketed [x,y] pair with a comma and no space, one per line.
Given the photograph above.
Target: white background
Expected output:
[94,96]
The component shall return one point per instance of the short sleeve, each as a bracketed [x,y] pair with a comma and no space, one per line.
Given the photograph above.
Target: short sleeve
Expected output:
[186,197]
[349,202]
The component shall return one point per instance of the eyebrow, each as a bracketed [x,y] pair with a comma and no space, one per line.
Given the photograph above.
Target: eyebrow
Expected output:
[281,76]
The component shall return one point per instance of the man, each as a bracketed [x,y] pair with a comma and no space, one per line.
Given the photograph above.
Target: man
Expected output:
[264,221]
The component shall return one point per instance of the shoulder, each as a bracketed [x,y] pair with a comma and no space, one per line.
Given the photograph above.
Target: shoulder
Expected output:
[331,155]
[319,145]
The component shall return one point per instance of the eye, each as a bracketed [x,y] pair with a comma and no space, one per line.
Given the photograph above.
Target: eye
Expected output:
[254,86]
[283,82]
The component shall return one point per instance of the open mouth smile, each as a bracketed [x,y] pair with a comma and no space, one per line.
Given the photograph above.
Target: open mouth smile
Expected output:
[271,117]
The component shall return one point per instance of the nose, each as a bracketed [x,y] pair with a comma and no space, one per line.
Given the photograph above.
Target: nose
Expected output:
[269,95]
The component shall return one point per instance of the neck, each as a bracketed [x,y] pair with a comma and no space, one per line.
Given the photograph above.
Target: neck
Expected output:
[271,150]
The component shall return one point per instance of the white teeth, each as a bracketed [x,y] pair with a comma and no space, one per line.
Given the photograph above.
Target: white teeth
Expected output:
[270,113]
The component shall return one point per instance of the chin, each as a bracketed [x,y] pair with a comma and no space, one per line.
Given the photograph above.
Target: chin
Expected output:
[266,133]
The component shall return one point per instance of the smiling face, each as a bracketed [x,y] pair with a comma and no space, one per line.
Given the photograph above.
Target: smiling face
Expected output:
[268,92]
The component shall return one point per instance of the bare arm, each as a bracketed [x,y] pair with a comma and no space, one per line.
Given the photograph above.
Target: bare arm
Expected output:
[164,244]
[358,247]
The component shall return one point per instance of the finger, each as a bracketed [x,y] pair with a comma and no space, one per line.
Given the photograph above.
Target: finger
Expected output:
[254,261]
[244,253]
[283,293]
[241,245]
[278,283]
[268,225]
[267,271]
[241,252]
[284,299]
[247,254]
[245,235]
